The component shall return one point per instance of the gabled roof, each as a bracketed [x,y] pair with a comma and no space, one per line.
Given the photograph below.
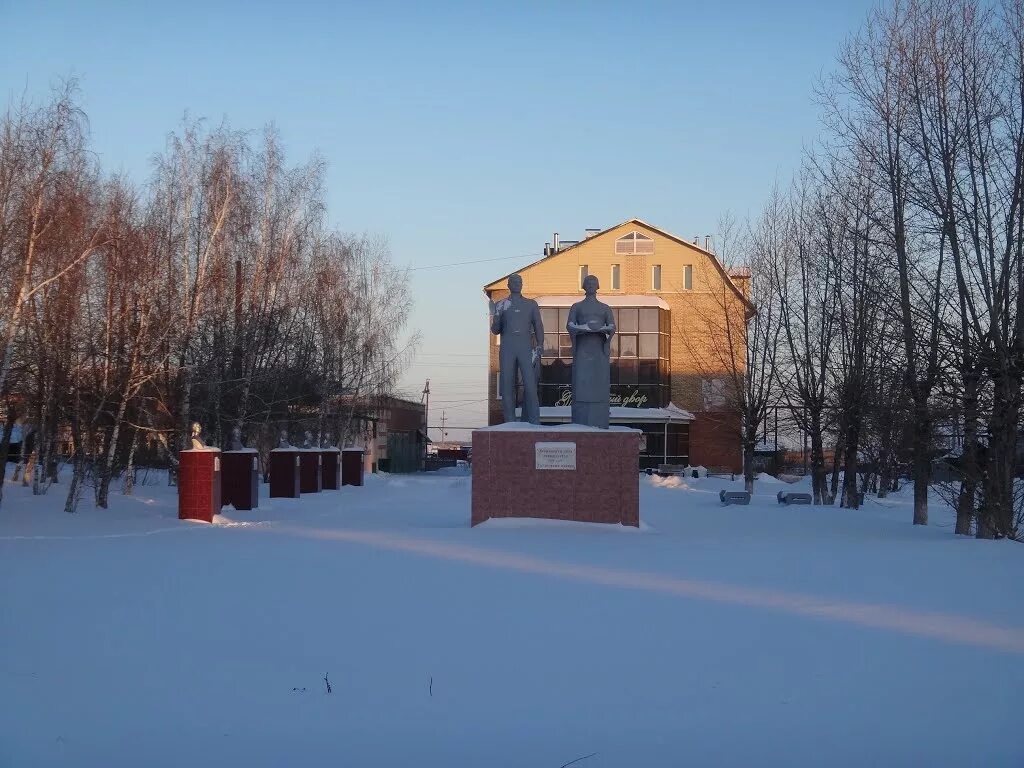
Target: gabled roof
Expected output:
[493,285]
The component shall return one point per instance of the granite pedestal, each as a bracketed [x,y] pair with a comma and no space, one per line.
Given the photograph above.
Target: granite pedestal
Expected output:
[284,473]
[330,469]
[199,484]
[559,473]
[310,468]
[240,478]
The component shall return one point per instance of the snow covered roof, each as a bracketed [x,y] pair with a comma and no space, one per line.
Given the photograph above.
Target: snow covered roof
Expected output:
[620,414]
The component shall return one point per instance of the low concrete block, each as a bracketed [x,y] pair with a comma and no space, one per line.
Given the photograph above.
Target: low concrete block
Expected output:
[794,498]
[734,497]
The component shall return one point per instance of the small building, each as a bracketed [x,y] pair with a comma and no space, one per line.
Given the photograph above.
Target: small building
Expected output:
[679,346]
[400,438]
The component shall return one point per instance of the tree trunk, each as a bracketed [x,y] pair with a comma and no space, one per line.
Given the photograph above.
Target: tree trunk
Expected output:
[5,448]
[818,475]
[78,469]
[851,497]
[748,466]
[969,465]
[834,489]
[922,465]
[129,472]
[995,518]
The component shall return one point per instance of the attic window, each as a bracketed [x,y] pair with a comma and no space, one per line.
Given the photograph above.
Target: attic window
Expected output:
[634,243]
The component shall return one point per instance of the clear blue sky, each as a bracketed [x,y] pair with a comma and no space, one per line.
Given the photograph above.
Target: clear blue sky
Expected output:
[465,130]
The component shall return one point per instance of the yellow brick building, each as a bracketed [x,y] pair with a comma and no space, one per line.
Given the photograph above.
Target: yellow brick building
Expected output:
[681,320]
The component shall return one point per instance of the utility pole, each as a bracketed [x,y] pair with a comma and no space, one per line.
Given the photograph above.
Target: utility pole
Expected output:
[444,435]
[426,416]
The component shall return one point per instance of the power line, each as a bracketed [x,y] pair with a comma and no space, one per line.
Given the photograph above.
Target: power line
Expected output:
[475,261]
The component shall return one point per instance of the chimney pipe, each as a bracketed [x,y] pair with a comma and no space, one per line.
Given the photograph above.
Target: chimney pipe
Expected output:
[554,244]
[707,242]
[547,249]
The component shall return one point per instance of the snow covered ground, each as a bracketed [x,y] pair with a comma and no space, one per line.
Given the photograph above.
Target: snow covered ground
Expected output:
[713,636]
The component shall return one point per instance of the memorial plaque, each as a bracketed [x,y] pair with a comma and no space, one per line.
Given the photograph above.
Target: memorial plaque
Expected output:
[555,455]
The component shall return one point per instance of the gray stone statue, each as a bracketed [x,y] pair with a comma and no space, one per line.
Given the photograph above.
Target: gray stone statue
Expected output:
[197,441]
[517,321]
[309,442]
[235,441]
[282,441]
[591,324]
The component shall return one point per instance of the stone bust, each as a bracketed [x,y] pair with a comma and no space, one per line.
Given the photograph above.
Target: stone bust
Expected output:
[197,443]
[309,442]
[516,320]
[282,441]
[235,441]
[591,324]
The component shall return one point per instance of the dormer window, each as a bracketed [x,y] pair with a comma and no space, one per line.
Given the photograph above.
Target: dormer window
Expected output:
[634,243]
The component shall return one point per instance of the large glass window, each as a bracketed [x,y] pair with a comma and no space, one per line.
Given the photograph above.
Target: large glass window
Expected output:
[549,316]
[627,345]
[639,353]
[649,346]
[550,344]
[628,320]
[648,320]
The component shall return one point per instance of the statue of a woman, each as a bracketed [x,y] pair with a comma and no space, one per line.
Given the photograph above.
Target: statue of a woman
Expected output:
[591,324]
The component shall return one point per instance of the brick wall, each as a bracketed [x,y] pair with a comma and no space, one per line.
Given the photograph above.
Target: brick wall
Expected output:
[715,441]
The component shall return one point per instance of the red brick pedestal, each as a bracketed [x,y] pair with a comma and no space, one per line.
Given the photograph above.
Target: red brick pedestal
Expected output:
[310,468]
[284,473]
[510,478]
[352,466]
[239,482]
[198,484]
[330,469]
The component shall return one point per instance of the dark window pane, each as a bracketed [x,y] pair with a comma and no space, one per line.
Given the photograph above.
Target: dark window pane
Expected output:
[615,277]
[627,371]
[628,320]
[649,346]
[550,345]
[649,319]
[562,372]
[649,372]
[613,346]
[549,316]
[656,277]
[627,346]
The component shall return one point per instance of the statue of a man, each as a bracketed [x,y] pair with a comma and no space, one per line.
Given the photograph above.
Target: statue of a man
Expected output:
[197,441]
[282,441]
[309,442]
[235,442]
[517,321]
[591,324]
